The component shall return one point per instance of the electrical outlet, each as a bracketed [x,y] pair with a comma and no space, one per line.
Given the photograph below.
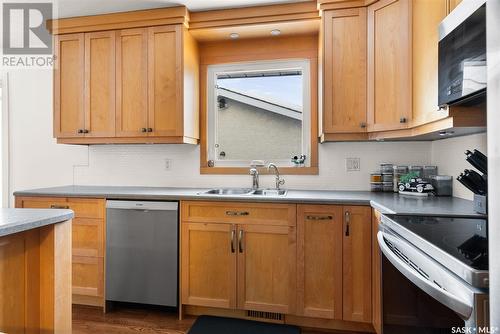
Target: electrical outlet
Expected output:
[352,164]
[168,164]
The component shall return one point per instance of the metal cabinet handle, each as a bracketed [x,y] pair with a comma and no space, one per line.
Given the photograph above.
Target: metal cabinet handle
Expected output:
[402,120]
[144,130]
[319,217]
[362,125]
[347,222]
[240,242]
[80,130]
[55,206]
[150,129]
[237,213]
[233,240]
[85,131]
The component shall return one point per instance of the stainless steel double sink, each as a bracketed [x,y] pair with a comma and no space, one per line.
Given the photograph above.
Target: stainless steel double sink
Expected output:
[245,192]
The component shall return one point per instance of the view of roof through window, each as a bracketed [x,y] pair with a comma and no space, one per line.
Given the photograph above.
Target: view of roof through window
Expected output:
[283,88]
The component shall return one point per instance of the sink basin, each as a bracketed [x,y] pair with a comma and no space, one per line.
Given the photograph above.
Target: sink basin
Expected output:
[269,192]
[245,191]
[229,191]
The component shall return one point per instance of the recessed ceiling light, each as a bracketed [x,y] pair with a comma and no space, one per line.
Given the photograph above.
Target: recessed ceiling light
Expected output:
[275,32]
[234,35]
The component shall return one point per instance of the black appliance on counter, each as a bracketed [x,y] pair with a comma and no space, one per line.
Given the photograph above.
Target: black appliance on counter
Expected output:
[462,55]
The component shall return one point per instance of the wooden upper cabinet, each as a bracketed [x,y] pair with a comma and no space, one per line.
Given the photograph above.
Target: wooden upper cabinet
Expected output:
[427,14]
[69,86]
[165,80]
[389,65]
[100,84]
[319,261]
[132,82]
[357,269]
[208,267]
[344,77]
[266,268]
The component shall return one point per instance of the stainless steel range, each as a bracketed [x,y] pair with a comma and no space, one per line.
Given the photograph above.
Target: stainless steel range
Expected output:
[445,257]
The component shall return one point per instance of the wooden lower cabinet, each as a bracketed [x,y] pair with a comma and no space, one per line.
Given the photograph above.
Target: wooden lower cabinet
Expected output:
[319,261]
[266,268]
[356,264]
[208,265]
[245,266]
[88,243]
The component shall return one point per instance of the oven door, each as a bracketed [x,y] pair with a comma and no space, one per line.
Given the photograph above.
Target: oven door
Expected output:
[431,277]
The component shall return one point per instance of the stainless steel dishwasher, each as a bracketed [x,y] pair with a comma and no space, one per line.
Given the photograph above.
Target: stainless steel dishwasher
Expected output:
[142,252]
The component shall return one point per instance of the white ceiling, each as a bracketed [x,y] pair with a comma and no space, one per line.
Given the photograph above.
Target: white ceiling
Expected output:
[71,8]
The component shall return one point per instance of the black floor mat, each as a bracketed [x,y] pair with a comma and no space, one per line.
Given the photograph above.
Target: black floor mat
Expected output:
[217,325]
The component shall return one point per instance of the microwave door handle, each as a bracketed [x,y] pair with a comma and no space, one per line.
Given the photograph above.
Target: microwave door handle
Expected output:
[462,308]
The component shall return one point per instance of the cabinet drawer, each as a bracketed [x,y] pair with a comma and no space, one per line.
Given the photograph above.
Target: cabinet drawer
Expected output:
[41,202]
[87,207]
[233,212]
[88,276]
[88,237]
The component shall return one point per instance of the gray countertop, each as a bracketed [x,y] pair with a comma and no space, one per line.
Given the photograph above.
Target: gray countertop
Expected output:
[386,203]
[19,220]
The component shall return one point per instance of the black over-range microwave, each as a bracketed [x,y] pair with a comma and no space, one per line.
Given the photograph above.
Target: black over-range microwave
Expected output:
[462,55]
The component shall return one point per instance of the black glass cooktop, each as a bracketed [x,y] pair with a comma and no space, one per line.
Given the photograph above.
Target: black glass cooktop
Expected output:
[466,239]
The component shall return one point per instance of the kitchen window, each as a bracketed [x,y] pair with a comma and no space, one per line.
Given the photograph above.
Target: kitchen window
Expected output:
[258,111]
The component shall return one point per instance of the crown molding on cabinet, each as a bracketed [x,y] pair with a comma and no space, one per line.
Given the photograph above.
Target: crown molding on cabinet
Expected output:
[123,20]
[342,4]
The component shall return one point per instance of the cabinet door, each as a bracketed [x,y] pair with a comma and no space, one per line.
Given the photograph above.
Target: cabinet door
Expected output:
[165,81]
[319,261]
[389,65]
[427,14]
[208,265]
[88,276]
[344,82]
[357,268]
[69,86]
[100,84]
[131,83]
[266,268]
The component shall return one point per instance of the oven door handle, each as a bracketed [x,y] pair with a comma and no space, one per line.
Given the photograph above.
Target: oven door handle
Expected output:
[458,305]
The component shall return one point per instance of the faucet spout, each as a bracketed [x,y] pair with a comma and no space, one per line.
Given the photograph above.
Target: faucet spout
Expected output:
[279,181]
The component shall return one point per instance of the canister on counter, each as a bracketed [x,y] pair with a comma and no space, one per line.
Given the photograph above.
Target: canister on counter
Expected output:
[376,177]
[387,186]
[386,168]
[416,169]
[387,177]
[428,172]
[443,185]
[376,186]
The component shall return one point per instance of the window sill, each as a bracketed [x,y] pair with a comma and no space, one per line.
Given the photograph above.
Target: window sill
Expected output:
[262,171]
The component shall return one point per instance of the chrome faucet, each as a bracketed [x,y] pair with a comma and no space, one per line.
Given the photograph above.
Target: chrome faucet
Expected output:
[255,178]
[279,181]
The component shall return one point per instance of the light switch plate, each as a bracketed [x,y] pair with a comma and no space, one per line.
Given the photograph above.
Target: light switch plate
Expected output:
[352,164]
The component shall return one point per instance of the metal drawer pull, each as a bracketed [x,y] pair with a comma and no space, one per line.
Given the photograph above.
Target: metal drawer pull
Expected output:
[240,242]
[233,235]
[237,213]
[347,222]
[55,206]
[319,217]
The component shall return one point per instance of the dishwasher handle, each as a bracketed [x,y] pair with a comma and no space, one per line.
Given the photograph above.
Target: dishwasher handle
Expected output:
[142,205]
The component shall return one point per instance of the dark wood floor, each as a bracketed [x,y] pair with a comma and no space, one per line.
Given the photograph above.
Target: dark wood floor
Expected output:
[128,320]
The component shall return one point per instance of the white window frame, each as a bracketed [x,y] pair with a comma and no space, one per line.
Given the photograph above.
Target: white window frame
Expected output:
[213,71]
[4,149]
